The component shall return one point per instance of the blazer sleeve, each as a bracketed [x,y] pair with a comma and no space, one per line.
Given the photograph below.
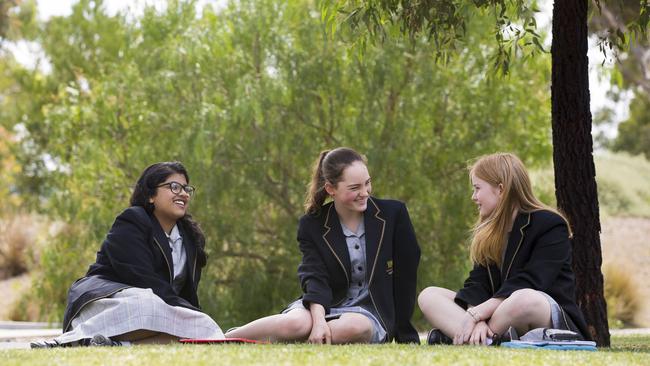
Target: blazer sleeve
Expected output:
[406,257]
[551,251]
[129,251]
[476,288]
[312,272]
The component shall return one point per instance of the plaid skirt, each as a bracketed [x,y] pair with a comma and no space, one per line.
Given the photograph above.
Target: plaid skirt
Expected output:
[378,332]
[138,308]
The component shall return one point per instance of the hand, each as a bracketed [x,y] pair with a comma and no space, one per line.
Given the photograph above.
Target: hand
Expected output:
[467,326]
[320,333]
[480,334]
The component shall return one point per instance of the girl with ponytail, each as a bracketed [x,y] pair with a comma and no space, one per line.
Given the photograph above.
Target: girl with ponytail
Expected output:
[522,276]
[142,286]
[359,263]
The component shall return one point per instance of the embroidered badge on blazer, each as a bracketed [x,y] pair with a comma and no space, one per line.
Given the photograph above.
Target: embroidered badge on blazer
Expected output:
[389,267]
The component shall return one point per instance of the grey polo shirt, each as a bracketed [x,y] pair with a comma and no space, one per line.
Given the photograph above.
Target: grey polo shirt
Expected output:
[356,242]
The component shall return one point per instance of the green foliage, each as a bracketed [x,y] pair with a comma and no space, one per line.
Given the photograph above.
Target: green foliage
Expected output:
[246,98]
[512,32]
[634,134]
[622,184]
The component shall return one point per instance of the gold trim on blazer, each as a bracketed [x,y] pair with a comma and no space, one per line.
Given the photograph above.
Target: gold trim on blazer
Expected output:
[381,239]
[521,240]
[330,246]
[372,273]
[169,267]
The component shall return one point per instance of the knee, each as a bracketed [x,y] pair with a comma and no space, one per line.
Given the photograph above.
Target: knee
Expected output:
[522,303]
[359,330]
[295,327]
[429,295]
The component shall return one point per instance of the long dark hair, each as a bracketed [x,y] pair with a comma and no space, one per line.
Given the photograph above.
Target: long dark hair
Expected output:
[146,187]
[328,167]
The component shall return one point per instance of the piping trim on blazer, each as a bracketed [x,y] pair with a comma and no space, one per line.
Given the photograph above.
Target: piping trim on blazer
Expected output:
[88,302]
[330,246]
[490,277]
[381,239]
[372,273]
[521,230]
[171,275]
[194,271]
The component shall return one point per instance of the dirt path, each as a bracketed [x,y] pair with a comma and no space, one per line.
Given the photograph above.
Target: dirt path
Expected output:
[626,243]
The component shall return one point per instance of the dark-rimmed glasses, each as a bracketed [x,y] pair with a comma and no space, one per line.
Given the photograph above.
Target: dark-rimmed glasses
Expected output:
[176,188]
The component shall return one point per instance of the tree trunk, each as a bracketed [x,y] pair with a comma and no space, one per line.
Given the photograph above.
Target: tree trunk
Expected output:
[575,173]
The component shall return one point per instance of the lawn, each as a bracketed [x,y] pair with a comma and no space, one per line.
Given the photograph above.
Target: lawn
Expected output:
[626,350]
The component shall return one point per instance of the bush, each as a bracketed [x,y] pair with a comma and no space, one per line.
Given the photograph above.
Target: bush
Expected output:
[17,250]
[64,260]
[622,296]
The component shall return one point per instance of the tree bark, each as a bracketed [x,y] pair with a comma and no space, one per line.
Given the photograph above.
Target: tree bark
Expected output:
[575,173]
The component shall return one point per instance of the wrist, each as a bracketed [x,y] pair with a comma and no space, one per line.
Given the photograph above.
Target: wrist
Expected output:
[474,314]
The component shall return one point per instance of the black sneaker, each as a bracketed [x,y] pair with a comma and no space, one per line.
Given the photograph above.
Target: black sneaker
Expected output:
[53,343]
[100,340]
[436,336]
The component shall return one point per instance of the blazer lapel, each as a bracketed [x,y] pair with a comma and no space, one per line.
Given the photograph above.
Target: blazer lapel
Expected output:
[517,236]
[335,240]
[160,238]
[190,252]
[375,225]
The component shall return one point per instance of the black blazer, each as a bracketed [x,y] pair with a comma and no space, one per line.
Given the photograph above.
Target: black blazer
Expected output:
[392,255]
[538,256]
[135,253]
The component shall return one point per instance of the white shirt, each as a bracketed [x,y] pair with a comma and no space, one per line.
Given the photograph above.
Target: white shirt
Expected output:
[179,257]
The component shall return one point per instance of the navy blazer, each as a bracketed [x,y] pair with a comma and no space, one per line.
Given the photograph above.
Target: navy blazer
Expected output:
[135,253]
[538,257]
[392,255]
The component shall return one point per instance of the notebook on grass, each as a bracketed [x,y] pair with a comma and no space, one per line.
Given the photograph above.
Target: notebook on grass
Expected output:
[556,345]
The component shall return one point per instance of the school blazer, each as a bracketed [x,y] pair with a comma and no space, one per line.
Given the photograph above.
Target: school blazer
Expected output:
[392,257]
[538,256]
[135,253]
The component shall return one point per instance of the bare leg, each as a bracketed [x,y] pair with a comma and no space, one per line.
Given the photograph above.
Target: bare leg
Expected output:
[293,326]
[351,328]
[440,310]
[525,309]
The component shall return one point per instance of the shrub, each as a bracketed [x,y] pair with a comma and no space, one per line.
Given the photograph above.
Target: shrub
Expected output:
[17,250]
[64,260]
[622,296]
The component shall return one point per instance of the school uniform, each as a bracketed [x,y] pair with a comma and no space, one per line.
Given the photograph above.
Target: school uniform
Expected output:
[133,284]
[538,257]
[392,254]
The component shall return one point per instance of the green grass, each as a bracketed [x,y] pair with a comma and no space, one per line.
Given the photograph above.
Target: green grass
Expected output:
[623,189]
[626,350]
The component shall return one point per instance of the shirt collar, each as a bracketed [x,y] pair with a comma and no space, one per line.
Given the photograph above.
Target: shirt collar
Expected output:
[174,235]
[360,230]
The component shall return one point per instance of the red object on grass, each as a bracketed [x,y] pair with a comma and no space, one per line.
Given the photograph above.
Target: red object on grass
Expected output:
[219,341]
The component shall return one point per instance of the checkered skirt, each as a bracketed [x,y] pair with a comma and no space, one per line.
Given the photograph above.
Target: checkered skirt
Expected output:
[137,308]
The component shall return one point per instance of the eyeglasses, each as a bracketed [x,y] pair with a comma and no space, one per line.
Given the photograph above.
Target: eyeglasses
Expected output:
[176,188]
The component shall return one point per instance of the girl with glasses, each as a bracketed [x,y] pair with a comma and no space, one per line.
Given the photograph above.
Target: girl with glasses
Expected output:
[359,263]
[142,287]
